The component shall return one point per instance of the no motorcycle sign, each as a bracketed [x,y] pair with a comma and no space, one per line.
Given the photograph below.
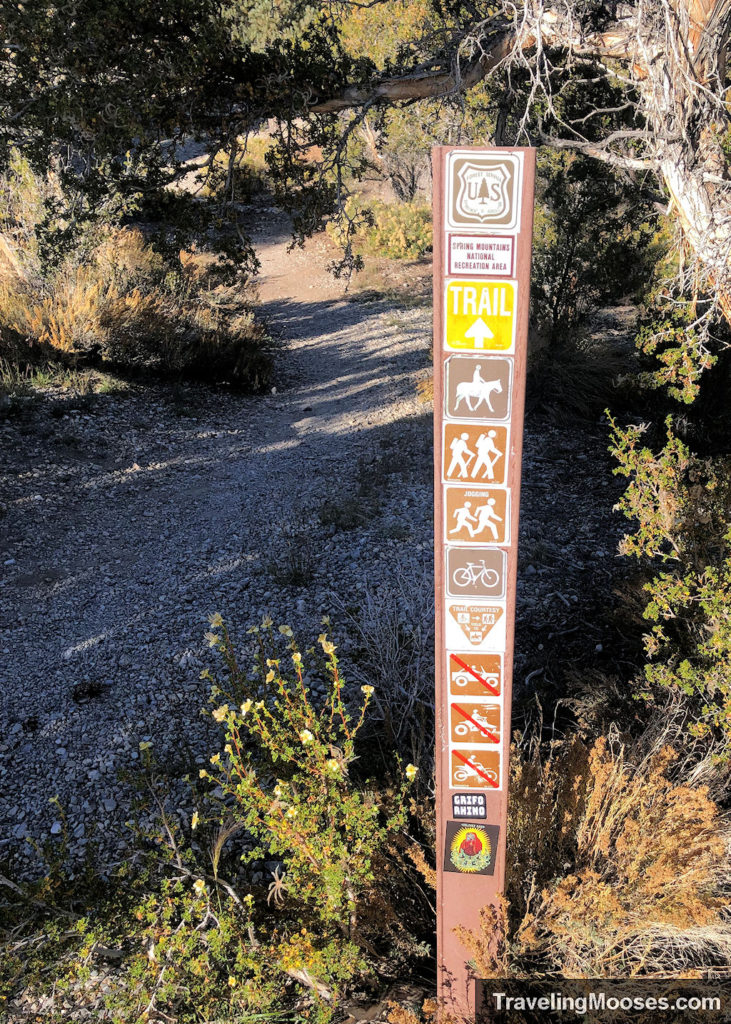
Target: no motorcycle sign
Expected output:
[483,221]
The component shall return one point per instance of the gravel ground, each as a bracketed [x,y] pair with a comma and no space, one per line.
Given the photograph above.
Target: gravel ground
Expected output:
[129,518]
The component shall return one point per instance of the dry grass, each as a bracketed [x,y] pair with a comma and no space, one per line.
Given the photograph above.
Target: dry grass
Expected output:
[114,300]
[618,865]
[123,308]
[392,631]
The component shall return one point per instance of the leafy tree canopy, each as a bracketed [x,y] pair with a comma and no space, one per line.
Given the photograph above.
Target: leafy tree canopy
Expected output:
[114,94]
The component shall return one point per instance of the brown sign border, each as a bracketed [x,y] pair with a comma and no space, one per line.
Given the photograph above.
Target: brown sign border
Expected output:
[461,896]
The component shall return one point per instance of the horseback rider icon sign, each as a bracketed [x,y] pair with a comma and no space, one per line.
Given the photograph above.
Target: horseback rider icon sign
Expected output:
[478,387]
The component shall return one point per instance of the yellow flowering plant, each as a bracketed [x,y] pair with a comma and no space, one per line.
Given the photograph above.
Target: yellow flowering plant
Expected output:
[289,776]
[207,934]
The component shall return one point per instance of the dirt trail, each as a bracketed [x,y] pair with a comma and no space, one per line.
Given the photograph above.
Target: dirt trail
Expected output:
[129,518]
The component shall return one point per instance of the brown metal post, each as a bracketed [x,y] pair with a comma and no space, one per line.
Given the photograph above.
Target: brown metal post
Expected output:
[483,223]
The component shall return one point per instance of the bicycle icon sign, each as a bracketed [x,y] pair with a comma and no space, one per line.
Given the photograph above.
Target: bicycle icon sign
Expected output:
[476,572]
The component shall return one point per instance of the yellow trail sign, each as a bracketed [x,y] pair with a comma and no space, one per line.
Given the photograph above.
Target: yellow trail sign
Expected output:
[480,315]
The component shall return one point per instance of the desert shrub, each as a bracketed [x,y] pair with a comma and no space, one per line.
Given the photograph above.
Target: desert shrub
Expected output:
[595,240]
[196,931]
[398,231]
[113,299]
[682,506]
[238,175]
[678,337]
[392,634]
[617,865]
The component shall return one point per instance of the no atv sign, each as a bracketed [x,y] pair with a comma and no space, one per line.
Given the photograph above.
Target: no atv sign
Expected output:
[483,216]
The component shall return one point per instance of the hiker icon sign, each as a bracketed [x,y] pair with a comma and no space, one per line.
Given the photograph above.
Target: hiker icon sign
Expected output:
[480,315]
[474,454]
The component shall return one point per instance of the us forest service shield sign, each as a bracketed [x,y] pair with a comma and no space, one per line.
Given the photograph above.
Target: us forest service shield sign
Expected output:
[484,191]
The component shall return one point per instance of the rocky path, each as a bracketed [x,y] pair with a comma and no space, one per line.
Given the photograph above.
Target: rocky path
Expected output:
[129,518]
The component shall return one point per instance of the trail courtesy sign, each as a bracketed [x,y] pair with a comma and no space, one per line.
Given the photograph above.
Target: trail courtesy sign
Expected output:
[483,219]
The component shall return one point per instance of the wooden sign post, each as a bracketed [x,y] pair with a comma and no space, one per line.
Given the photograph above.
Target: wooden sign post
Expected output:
[483,222]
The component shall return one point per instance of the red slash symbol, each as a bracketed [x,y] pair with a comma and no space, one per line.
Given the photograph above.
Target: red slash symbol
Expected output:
[462,664]
[476,769]
[490,735]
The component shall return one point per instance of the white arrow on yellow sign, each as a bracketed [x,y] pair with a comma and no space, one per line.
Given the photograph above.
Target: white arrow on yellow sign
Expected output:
[479,332]
[480,315]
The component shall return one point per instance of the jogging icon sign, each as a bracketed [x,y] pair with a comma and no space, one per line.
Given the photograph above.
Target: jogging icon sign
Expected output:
[478,515]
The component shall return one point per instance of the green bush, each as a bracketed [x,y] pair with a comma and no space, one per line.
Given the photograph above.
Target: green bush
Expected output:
[595,241]
[398,231]
[682,505]
[674,334]
[195,931]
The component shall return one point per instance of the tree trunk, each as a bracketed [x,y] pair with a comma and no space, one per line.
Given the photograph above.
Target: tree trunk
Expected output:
[674,54]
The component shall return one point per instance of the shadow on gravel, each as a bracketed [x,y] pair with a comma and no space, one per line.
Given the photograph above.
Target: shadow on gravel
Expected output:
[314,319]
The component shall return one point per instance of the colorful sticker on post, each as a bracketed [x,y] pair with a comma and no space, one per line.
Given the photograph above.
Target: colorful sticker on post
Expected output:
[470,849]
